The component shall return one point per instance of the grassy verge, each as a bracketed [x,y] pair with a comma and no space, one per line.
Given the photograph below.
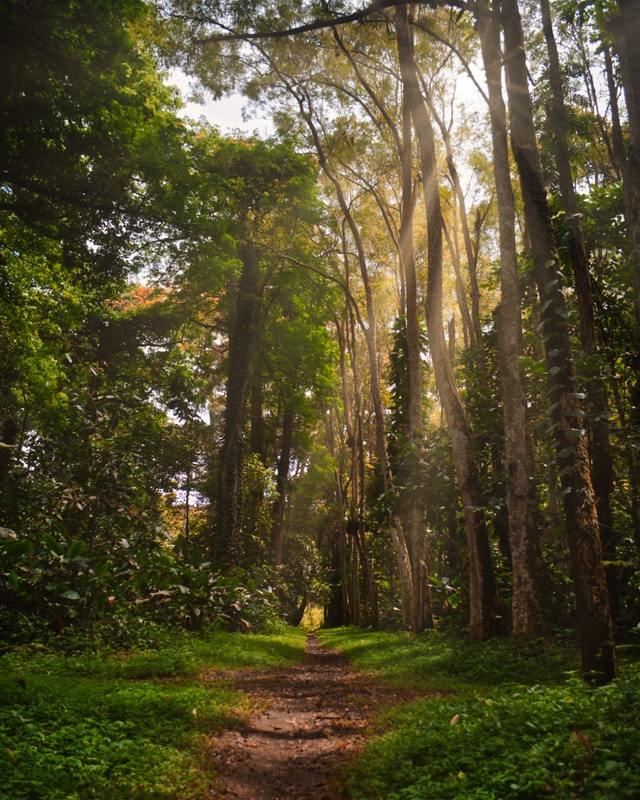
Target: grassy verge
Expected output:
[135,725]
[504,722]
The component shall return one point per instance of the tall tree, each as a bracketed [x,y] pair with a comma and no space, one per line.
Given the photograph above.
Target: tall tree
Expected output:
[268,193]
[94,183]
[482,582]
[572,460]
[402,235]
[523,536]
[597,401]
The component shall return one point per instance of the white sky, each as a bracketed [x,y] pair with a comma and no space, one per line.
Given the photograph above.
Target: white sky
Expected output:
[226,114]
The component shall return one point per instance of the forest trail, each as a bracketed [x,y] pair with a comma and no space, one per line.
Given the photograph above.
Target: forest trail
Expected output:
[315,716]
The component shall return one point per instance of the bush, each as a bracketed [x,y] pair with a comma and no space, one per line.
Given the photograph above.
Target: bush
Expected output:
[50,585]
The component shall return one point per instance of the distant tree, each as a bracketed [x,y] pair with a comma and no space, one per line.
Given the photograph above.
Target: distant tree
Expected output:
[268,194]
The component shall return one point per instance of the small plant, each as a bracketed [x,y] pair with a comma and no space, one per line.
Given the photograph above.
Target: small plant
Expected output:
[500,721]
[110,726]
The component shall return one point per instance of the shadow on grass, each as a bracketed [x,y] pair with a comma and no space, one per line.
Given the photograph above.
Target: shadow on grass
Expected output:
[448,663]
[132,725]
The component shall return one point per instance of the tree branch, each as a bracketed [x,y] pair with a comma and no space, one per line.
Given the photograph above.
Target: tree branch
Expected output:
[319,24]
[314,25]
[326,275]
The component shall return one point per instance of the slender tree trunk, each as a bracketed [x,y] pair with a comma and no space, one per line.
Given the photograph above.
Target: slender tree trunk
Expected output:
[369,331]
[358,503]
[470,252]
[523,537]
[338,607]
[592,600]
[626,29]
[415,523]
[461,293]
[282,486]
[481,578]
[370,334]
[355,505]
[597,398]
[225,546]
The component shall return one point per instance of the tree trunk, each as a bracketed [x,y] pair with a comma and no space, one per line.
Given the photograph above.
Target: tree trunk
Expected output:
[481,578]
[282,486]
[597,398]
[370,334]
[524,541]
[592,600]
[225,546]
[470,252]
[414,520]
[626,29]
[305,104]
[338,607]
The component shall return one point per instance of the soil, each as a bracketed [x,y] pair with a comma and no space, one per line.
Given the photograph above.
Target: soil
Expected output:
[316,715]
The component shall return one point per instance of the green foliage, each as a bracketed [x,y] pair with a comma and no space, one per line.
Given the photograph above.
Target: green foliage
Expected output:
[523,744]
[50,584]
[502,720]
[88,132]
[133,725]
[95,183]
[444,662]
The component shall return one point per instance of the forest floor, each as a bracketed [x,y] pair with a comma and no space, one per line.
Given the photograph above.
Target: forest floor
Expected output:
[313,718]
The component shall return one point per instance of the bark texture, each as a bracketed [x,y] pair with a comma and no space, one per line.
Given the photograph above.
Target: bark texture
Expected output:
[524,541]
[566,414]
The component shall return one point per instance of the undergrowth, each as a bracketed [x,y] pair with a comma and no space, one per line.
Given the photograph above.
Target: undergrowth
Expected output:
[499,721]
[134,725]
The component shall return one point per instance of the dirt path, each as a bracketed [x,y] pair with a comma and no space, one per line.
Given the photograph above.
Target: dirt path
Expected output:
[316,715]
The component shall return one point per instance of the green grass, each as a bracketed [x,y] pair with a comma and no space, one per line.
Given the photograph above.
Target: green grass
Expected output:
[502,721]
[134,725]
[443,662]
[498,720]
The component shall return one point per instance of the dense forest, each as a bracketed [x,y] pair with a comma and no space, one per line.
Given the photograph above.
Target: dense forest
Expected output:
[384,362]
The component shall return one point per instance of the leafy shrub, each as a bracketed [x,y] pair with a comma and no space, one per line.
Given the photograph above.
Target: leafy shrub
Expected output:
[50,584]
[559,742]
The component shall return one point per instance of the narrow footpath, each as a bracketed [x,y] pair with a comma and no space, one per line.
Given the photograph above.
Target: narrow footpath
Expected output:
[315,716]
